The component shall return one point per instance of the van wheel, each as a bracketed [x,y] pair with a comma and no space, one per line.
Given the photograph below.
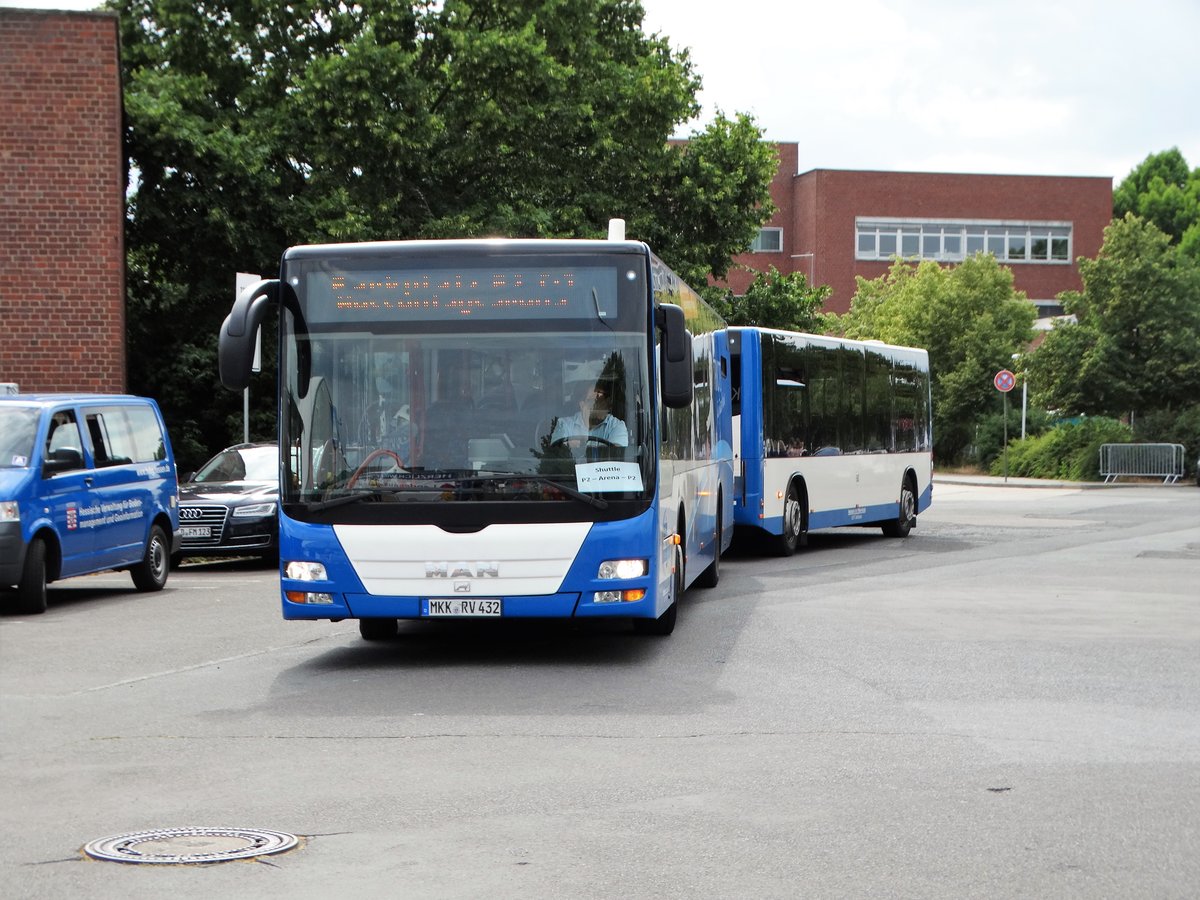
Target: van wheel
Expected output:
[31,592]
[151,573]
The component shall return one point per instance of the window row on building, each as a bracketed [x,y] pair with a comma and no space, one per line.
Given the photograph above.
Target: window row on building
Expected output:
[951,241]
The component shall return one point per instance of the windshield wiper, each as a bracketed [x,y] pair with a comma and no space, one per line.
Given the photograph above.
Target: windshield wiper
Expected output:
[542,479]
[346,500]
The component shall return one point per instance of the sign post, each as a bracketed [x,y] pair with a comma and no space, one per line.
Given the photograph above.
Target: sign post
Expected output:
[1005,381]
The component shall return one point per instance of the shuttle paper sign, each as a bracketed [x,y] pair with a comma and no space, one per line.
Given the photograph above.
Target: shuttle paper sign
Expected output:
[596,477]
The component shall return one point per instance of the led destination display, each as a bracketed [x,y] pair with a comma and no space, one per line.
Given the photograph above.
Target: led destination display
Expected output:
[449,294]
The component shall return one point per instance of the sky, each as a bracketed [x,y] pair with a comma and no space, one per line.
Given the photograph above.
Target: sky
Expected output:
[1053,87]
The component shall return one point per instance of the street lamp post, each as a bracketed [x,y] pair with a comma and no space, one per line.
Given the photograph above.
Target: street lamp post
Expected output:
[1024,391]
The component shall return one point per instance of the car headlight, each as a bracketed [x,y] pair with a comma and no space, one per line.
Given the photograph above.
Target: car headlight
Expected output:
[9,511]
[254,511]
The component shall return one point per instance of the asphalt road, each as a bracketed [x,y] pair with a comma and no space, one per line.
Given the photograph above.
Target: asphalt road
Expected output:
[1005,704]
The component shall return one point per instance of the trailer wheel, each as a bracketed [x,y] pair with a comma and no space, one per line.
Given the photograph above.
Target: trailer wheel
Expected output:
[793,523]
[906,518]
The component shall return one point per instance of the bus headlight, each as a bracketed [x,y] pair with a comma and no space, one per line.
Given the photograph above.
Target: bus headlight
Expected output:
[623,568]
[305,571]
[9,511]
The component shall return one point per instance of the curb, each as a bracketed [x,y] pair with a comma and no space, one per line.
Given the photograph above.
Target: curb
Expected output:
[998,481]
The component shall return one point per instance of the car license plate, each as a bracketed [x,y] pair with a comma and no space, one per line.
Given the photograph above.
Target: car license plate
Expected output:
[195,531]
[456,606]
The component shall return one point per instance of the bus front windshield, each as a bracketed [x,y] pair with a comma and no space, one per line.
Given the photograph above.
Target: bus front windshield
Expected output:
[446,403]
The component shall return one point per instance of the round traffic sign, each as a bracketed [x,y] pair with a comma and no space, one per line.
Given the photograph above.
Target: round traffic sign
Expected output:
[1004,381]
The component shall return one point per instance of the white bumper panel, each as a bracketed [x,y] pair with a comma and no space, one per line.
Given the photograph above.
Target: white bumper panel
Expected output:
[424,560]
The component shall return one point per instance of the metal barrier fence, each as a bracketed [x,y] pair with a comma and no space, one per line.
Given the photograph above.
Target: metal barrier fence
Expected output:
[1163,461]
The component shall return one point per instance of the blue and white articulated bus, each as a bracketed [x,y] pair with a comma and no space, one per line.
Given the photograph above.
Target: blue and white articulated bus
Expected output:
[828,433]
[493,428]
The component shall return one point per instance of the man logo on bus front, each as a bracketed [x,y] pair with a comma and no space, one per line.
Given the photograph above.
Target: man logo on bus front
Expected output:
[484,569]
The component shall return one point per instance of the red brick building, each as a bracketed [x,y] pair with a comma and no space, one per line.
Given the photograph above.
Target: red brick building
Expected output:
[833,225]
[62,202]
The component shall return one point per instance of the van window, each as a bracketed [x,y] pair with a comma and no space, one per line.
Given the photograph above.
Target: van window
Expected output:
[63,441]
[124,434]
[18,431]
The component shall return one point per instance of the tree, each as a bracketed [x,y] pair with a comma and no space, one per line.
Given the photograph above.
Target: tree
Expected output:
[1135,345]
[253,125]
[970,319]
[1163,191]
[775,301]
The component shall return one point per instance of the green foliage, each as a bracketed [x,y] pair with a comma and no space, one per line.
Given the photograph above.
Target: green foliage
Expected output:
[990,430]
[1068,452]
[1173,427]
[1135,345]
[252,126]
[1162,190]
[773,300]
[970,319]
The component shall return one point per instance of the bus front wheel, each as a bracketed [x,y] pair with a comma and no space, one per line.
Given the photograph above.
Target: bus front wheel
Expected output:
[665,624]
[378,629]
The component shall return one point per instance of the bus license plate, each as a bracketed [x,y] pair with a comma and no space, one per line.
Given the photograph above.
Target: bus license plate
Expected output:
[195,531]
[456,606]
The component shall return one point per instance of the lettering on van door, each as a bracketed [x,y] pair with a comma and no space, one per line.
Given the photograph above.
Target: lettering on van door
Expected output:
[100,514]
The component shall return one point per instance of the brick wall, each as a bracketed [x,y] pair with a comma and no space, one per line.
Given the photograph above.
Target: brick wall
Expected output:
[817,211]
[828,200]
[62,265]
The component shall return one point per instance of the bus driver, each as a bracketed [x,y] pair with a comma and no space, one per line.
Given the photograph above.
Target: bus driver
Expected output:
[594,419]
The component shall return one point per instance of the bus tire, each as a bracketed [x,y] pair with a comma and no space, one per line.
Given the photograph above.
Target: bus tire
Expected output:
[31,591]
[711,576]
[665,624]
[907,514]
[151,573]
[378,629]
[793,524]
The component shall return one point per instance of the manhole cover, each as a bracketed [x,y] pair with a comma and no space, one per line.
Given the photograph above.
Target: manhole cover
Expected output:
[190,845]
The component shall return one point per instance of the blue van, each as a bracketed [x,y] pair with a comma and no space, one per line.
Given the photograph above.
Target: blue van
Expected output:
[87,483]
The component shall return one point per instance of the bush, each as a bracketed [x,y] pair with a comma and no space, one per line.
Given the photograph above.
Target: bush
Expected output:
[1070,451]
[989,433]
[1182,427]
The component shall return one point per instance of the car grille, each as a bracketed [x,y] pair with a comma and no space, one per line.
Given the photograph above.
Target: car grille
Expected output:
[213,516]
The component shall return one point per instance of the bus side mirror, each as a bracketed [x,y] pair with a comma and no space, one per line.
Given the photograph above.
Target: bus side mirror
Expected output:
[675,356]
[235,347]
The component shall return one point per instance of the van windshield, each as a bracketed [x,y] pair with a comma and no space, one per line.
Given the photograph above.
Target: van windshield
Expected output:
[18,429]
